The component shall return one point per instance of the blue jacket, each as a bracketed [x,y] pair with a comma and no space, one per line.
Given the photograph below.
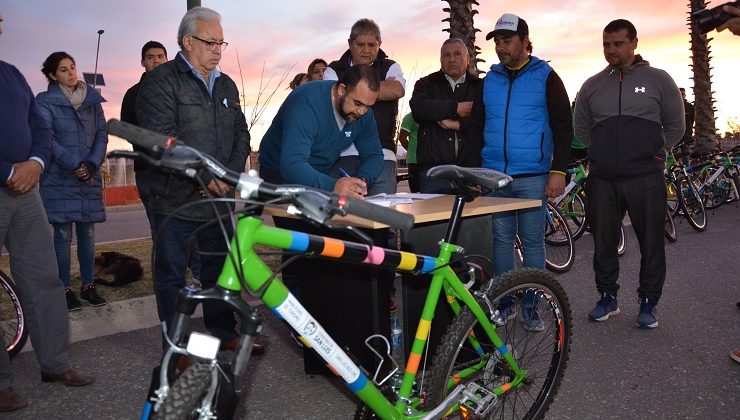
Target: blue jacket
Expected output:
[78,136]
[517,137]
[24,133]
[304,140]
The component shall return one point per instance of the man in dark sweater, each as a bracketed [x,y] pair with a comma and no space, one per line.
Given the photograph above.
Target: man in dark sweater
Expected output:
[448,105]
[25,150]
[315,123]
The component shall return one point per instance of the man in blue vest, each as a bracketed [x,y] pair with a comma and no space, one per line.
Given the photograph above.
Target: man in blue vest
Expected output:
[527,135]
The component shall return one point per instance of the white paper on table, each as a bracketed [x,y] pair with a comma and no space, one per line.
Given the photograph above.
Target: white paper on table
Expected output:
[387,200]
[405,195]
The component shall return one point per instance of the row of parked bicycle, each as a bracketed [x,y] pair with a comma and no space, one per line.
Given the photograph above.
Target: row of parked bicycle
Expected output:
[693,187]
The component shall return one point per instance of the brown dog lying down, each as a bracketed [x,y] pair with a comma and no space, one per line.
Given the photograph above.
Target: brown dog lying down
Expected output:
[116,269]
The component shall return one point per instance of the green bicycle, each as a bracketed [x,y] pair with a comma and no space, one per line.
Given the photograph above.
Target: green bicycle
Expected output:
[482,369]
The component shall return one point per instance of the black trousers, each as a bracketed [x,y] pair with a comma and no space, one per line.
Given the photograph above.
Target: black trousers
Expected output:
[644,199]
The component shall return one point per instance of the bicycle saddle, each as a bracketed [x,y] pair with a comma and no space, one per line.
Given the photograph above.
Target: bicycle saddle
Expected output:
[488,178]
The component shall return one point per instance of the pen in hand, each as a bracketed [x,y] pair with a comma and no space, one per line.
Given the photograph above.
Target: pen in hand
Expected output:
[356,186]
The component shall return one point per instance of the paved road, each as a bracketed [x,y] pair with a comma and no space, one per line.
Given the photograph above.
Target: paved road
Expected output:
[679,371]
[123,222]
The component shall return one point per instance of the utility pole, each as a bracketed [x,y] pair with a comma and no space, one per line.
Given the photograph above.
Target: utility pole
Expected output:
[193,3]
[95,77]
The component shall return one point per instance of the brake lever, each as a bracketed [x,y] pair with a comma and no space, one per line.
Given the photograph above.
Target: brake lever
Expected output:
[353,231]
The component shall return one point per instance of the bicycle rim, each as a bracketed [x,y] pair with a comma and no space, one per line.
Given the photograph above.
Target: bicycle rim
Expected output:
[543,354]
[622,244]
[12,321]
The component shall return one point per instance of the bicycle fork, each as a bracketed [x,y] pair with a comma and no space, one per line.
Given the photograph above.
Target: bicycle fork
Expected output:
[249,327]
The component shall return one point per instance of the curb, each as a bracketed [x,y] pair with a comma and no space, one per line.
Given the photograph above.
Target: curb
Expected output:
[113,318]
[118,317]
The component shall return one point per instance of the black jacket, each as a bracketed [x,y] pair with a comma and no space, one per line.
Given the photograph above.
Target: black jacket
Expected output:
[128,114]
[433,100]
[175,102]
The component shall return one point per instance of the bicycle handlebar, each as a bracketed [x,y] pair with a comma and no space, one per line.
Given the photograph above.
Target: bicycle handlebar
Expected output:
[146,139]
[315,205]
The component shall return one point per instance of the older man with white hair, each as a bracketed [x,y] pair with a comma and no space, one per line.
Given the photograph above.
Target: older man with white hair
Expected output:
[189,98]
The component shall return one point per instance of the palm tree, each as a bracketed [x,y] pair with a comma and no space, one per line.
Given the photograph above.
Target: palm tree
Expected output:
[705,132]
[461,26]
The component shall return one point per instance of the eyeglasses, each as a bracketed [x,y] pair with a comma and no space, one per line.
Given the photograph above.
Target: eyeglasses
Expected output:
[211,45]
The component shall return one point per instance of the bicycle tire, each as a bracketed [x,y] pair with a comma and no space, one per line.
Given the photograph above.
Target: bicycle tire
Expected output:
[622,244]
[549,348]
[185,394]
[670,227]
[692,205]
[12,319]
[559,247]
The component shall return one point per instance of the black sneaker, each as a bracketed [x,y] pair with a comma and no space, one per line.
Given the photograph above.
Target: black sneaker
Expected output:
[91,296]
[73,304]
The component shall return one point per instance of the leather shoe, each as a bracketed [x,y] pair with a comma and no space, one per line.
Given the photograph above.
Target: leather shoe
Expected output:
[70,377]
[231,346]
[10,400]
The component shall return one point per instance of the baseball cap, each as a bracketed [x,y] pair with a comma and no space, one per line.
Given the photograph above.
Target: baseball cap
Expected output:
[509,25]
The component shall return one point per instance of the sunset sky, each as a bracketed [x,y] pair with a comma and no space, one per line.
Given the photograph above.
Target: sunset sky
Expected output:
[281,34]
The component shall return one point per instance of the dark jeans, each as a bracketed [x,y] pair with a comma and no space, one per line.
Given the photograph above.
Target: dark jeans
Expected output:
[171,262]
[144,188]
[644,199]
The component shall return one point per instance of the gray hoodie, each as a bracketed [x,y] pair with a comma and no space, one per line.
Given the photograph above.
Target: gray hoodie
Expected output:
[627,118]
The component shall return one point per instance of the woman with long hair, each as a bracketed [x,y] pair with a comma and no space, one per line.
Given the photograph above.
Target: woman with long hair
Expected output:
[71,186]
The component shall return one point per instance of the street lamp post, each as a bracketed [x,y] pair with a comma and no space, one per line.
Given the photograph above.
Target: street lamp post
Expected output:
[95,77]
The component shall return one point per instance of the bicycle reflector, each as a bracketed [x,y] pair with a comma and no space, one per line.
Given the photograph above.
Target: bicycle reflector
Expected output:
[203,345]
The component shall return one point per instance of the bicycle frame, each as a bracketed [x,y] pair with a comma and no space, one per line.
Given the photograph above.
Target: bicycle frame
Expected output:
[260,281]
[579,175]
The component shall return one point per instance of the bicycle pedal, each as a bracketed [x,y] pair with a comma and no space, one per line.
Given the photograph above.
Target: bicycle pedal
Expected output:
[477,401]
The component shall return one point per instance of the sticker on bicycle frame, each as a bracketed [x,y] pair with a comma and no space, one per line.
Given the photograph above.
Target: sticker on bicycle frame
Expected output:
[298,317]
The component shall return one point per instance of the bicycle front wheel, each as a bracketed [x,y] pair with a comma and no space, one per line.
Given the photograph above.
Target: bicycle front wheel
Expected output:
[12,322]
[186,394]
[692,205]
[542,351]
